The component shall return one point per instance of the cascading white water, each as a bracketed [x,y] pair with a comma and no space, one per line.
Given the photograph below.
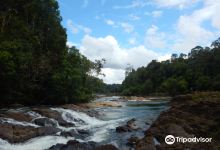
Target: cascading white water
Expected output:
[98,130]
[15,122]
[38,143]
[78,118]
[33,114]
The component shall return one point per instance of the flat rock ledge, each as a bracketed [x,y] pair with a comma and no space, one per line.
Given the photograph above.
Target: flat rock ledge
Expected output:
[76,145]
[186,118]
[18,134]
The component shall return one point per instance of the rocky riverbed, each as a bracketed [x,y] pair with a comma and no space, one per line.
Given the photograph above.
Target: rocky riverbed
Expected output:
[112,123]
[196,115]
[108,123]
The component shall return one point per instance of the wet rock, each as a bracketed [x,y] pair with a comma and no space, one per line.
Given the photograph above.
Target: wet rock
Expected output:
[131,123]
[79,121]
[19,116]
[74,107]
[124,128]
[75,133]
[187,117]
[147,143]
[93,113]
[17,134]
[74,145]
[43,131]
[105,104]
[133,140]
[130,126]
[71,133]
[57,147]
[45,122]
[106,147]
[85,108]
[53,114]
[83,131]
[147,123]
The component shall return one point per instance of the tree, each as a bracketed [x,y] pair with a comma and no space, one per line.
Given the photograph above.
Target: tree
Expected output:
[128,69]
[216,43]
[174,56]
[36,65]
[203,83]
[199,71]
[174,86]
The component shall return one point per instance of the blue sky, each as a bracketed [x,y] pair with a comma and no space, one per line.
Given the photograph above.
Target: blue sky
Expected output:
[133,32]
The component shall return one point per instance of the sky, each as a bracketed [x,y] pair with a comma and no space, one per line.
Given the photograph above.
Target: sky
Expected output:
[134,32]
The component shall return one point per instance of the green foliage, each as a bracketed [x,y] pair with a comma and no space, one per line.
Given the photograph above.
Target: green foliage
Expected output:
[36,66]
[200,71]
[174,86]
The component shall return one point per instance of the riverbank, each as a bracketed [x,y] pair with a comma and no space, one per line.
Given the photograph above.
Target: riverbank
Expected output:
[106,123]
[195,115]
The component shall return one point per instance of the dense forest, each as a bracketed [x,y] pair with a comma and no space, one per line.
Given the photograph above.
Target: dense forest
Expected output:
[197,71]
[36,65]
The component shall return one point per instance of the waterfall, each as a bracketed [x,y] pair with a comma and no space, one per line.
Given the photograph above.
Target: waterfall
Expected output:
[38,143]
[78,118]
[15,122]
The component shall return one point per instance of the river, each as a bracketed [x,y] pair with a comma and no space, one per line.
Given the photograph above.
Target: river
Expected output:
[101,129]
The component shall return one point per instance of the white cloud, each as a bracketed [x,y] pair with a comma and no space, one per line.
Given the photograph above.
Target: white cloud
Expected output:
[86,30]
[157,13]
[127,27]
[109,22]
[76,28]
[147,13]
[132,41]
[113,75]
[214,7]
[134,17]
[71,27]
[175,3]
[164,57]
[116,57]
[134,4]
[190,27]
[69,44]
[97,17]
[154,38]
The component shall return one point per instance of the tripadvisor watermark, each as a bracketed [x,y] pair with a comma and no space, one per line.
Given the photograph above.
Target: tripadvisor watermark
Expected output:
[170,139]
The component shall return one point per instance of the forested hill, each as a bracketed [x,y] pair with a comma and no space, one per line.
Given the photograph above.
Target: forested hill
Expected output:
[36,65]
[197,71]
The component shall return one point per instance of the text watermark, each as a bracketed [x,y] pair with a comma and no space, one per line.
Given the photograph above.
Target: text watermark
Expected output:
[170,139]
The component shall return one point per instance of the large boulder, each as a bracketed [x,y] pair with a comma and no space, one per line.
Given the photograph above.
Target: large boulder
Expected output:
[76,133]
[47,122]
[130,126]
[17,134]
[83,108]
[76,145]
[106,147]
[46,112]
[133,140]
[147,143]
[19,116]
[187,117]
